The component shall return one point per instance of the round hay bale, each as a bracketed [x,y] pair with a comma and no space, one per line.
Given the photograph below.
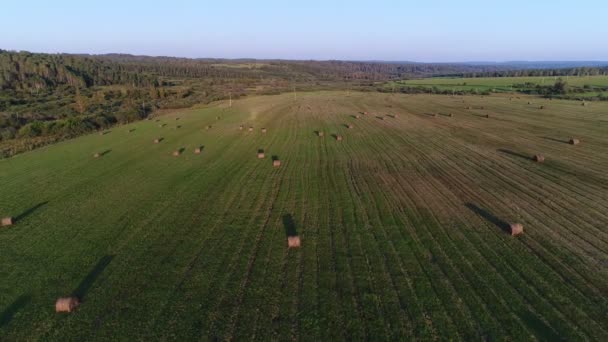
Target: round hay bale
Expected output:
[583,104]
[468,107]
[101,133]
[261,155]
[574,141]
[197,150]
[450,114]
[66,304]
[176,153]
[240,127]
[516,229]
[487,116]
[349,126]
[276,163]
[263,130]
[250,129]
[320,134]
[539,158]
[293,242]
[541,107]
[338,137]
[357,116]
[156,141]
[97,155]
[365,113]
[7,221]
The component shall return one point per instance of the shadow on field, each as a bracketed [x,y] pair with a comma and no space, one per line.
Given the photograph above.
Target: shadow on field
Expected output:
[132,130]
[105,152]
[88,281]
[7,315]
[556,140]
[540,328]
[29,211]
[275,157]
[181,149]
[515,154]
[489,217]
[289,225]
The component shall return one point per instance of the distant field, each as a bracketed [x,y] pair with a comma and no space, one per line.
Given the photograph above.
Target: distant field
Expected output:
[506,84]
[402,223]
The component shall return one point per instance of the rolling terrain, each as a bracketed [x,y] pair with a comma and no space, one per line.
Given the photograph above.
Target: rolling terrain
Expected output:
[402,223]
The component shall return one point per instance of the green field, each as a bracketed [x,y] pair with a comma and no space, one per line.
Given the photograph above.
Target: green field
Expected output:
[508,84]
[402,224]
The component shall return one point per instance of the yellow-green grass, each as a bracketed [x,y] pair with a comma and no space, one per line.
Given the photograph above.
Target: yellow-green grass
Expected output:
[401,224]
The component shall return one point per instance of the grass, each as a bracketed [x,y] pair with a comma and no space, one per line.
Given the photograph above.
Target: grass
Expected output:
[401,224]
[508,84]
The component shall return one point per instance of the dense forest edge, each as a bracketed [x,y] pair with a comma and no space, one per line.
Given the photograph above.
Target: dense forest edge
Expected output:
[45,98]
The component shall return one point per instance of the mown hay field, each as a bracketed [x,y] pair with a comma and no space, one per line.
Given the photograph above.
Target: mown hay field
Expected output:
[403,224]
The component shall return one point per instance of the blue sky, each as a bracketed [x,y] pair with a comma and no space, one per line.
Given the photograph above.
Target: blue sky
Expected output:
[423,30]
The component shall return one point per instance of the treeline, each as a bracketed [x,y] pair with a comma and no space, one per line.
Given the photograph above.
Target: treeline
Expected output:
[579,71]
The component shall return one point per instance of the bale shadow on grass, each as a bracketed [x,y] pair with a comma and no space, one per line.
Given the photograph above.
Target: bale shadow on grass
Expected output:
[515,154]
[345,125]
[275,157]
[335,136]
[105,152]
[504,226]
[7,315]
[29,211]
[260,150]
[91,277]
[353,116]
[538,327]
[289,225]
[181,150]
[132,130]
[557,140]
[379,117]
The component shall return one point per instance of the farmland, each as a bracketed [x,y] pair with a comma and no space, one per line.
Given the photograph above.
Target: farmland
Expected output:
[581,86]
[402,223]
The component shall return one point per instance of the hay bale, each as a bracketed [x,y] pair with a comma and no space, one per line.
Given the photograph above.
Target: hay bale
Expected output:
[338,137]
[250,129]
[66,304]
[293,242]
[382,118]
[97,155]
[217,117]
[263,130]
[276,163]
[583,104]
[516,229]
[176,118]
[529,102]
[468,107]
[394,116]
[539,158]
[209,127]
[6,221]
[101,133]
[241,127]
[574,141]
[487,116]
[156,141]
[349,126]
[197,150]
[365,113]
[320,134]
[357,116]
[450,114]
[176,153]
[261,155]
[541,107]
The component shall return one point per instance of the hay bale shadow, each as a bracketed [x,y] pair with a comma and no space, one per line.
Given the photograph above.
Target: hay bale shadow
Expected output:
[503,225]
[260,150]
[379,117]
[105,152]
[275,157]
[345,125]
[538,327]
[515,154]
[29,211]
[335,136]
[289,225]
[132,130]
[7,315]
[181,150]
[354,116]
[557,140]
[87,282]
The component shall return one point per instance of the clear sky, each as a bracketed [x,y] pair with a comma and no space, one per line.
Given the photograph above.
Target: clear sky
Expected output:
[422,30]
